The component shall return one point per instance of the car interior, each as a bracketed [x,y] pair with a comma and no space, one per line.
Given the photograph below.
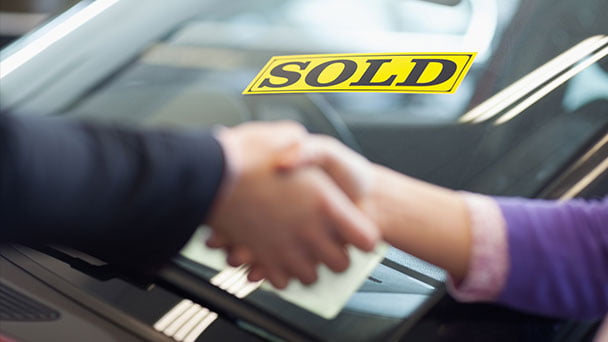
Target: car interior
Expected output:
[504,133]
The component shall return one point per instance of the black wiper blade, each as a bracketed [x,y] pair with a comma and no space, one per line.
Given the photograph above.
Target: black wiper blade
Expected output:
[103,272]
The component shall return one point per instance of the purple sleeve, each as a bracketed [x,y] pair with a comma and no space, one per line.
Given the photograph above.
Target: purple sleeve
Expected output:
[558,255]
[489,258]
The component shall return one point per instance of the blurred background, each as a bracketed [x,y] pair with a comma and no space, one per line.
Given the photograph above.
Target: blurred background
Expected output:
[18,17]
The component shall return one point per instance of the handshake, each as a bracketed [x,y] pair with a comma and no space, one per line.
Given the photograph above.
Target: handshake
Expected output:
[290,201]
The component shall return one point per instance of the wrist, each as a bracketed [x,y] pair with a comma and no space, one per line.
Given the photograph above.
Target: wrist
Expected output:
[422,219]
[233,161]
[232,167]
[386,199]
[487,266]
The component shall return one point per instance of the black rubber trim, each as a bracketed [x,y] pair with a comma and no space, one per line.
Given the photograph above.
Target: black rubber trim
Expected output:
[24,258]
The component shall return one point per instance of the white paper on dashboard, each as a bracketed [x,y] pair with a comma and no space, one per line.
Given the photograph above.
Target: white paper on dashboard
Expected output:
[197,251]
[325,298]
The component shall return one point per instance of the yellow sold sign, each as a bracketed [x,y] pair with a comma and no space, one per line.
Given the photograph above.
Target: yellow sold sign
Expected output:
[383,72]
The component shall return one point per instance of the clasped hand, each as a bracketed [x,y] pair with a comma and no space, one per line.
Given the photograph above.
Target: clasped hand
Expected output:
[289,201]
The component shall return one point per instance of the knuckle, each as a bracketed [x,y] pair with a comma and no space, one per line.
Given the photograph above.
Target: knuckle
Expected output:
[323,202]
[309,277]
[294,126]
[340,264]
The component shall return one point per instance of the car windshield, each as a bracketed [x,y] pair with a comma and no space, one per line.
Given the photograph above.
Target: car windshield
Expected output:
[221,50]
[186,63]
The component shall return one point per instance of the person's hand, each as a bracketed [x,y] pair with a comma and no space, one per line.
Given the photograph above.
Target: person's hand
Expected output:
[283,223]
[404,209]
[351,171]
[360,179]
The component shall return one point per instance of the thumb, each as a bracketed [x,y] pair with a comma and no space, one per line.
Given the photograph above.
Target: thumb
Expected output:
[349,170]
[296,156]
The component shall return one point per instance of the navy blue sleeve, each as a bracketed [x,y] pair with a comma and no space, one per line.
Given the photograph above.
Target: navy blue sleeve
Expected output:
[126,196]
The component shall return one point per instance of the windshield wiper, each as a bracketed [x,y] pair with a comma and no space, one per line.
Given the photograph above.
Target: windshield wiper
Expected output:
[103,272]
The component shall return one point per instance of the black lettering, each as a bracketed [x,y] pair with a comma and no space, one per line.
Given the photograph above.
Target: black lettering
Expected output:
[312,79]
[372,69]
[448,68]
[279,71]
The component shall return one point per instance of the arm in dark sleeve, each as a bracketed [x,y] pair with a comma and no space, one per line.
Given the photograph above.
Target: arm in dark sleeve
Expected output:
[126,196]
[558,255]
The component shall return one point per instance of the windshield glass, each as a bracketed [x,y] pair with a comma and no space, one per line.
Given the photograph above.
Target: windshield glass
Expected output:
[194,75]
[225,47]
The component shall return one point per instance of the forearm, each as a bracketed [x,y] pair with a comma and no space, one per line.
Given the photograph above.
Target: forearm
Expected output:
[422,219]
[558,255]
[90,186]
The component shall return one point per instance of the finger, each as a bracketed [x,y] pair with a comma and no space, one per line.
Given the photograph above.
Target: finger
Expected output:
[277,277]
[308,153]
[349,222]
[293,128]
[331,252]
[288,261]
[295,156]
[282,134]
[239,255]
[216,241]
[256,273]
[349,170]
[273,270]
[298,263]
